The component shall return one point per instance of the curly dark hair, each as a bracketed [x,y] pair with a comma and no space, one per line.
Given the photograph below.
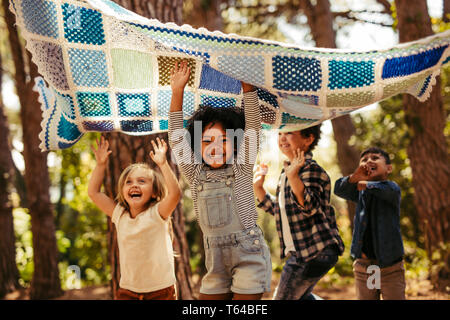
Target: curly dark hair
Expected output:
[229,117]
[376,150]
[315,131]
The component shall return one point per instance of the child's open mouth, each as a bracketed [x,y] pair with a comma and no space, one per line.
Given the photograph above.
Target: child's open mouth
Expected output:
[372,168]
[135,194]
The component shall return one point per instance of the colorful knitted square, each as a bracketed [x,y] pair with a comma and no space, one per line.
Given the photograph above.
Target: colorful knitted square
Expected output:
[137,126]
[164,98]
[50,56]
[66,103]
[236,66]
[102,126]
[134,104]
[165,65]
[296,73]
[88,68]
[93,104]
[40,17]
[350,74]
[214,80]
[83,25]
[68,130]
[132,69]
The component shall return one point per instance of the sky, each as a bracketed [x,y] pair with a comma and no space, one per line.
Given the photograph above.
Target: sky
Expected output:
[358,37]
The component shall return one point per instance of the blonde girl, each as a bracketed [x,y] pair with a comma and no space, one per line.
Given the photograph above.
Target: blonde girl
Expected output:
[141,215]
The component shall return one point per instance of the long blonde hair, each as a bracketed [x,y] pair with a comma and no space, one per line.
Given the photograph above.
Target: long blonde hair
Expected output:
[158,188]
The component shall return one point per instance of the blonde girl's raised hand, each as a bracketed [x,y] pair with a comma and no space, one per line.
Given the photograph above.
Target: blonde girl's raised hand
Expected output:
[105,203]
[158,154]
[170,201]
[102,152]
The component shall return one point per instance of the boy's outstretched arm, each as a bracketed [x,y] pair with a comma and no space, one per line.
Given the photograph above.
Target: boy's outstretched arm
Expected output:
[101,200]
[348,187]
[178,80]
[170,201]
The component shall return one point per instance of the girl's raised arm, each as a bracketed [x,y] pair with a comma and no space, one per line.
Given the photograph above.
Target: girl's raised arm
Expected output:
[169,203]
[101,200]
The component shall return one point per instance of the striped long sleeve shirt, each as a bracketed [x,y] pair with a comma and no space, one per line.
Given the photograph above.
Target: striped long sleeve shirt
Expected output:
[242,164]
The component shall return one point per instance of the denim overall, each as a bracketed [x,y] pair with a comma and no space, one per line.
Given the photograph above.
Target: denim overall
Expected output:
[237,259]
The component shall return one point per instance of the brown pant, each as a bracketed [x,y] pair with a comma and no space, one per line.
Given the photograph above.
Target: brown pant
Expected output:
[391,283]
[163,294]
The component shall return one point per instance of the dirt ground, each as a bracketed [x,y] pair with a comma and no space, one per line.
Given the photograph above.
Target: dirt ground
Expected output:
[415,290]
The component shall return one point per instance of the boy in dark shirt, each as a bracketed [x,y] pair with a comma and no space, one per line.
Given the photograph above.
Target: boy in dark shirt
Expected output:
[377,240]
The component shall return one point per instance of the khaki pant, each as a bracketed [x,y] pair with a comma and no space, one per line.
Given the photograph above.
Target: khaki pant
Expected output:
[163,294]
[391,283]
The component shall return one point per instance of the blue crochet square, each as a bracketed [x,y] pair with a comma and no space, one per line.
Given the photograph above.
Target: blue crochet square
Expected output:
[296,74]
[54,67]
[247,68]
[68,130]
[350,74]
[163,125]
[268,97]
[83,25]
[404,66]
[134,104]
[214,80]
[218,102]
[94,104]
[65,102]
[88,68]
[102,126]
[164,98]
[40,17]
[136,126]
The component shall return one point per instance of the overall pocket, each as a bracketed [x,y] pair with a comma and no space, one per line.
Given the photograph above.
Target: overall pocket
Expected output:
[251,244]
[216,207]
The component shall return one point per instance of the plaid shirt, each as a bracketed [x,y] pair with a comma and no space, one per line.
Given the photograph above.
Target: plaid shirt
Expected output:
[313,225]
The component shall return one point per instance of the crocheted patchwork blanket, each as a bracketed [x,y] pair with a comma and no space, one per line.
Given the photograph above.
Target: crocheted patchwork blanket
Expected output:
[107,69]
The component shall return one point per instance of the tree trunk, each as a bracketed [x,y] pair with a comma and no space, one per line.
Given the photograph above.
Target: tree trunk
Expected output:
[128,149]
[320,20]
[9,275]
[428,151]
[206,14]
[45,283]
[446,11]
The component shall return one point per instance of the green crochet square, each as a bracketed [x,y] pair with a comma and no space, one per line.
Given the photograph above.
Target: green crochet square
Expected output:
[165,65]
[132,69]
[351,99]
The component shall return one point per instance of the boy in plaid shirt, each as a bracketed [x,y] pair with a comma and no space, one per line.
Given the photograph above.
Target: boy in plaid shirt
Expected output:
[305,220]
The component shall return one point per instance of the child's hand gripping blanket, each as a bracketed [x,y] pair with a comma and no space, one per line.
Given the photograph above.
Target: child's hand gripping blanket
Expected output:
[107,69]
